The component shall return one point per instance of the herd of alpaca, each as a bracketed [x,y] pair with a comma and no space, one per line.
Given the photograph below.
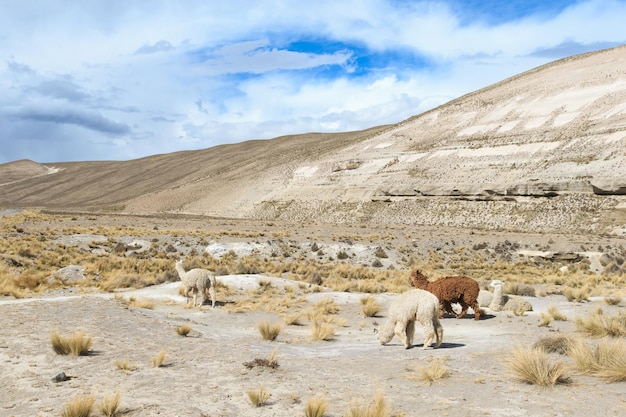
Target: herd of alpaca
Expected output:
[198,281]
[424,304]
[449,290]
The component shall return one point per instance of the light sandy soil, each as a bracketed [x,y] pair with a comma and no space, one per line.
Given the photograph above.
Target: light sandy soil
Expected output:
[205,375]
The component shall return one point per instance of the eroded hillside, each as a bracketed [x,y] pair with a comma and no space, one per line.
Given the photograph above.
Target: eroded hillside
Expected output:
[542,151]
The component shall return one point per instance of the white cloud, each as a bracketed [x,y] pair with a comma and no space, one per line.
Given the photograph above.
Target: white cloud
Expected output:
[123,79]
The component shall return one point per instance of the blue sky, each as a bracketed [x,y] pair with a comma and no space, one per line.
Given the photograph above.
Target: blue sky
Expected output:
[124,79]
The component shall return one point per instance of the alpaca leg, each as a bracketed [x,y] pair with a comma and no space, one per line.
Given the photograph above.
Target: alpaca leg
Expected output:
[477,311]
[464,308]
[448,307]
[187,290]
[195,296]
[438,332]
[400,332]
[410,332]
[212,294]
[201,293]
[429,331]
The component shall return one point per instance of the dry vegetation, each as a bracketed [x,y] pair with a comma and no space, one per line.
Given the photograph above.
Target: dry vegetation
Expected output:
[79,407]
[33,252]
[77,344]
[534,366]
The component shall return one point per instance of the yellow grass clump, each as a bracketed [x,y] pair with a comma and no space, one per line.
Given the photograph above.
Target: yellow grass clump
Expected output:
[268,330]
[110,405]
[79,407]
[369,306]
[315,407]
[552,314]
[533,366]
[183,330]
[158,360]
[145,303]
[377,407]
[436,370]
[612,300]
[259,397]
[125,365]
[607,360]
[77,344]
[601,325]
[322,331]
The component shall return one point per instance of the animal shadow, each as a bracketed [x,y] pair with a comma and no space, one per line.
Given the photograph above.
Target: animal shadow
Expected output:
[443,345]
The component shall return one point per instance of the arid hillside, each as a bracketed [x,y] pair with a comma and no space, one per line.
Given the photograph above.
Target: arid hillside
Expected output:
[541,151]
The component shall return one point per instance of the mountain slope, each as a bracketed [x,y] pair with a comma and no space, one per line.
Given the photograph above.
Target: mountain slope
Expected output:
[542,150]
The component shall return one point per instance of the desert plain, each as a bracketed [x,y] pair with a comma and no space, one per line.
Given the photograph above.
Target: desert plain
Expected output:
[211,370]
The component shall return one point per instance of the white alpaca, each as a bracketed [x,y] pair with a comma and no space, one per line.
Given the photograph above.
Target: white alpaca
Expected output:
[408,307]
[198,281]
[485,298]
[502,302]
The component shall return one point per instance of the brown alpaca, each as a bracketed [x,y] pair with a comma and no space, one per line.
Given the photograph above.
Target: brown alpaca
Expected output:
[456,289]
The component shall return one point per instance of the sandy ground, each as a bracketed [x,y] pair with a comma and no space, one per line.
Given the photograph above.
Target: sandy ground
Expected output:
[204,373]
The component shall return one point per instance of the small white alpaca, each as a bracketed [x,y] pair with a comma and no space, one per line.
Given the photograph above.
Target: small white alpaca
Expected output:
[502,302]
[198,281]
[408,307]
[485,298]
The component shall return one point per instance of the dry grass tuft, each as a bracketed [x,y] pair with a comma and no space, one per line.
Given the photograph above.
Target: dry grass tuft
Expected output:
[534,367]
[293,319]
[552,314]
[77,344]
[326,306]
[157,361]
[270,362]
[552,344]
[110,406]
[556,314]
[125,365]
[435,371]
[607,360]
[612,300]
[183,330]
[322,330]
[268,330]
[147,304]
[259,397]
[577,294]
[369,306]
[79,406]
[315,407]
[378,407]
[600,325]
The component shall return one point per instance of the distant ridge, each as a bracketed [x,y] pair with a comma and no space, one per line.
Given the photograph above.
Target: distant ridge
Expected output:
[21,170]
[543,150]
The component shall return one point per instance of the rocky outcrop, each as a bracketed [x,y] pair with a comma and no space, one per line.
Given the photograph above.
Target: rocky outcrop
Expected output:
[615,186]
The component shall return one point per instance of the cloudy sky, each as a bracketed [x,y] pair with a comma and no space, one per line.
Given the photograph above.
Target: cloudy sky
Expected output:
[123,79]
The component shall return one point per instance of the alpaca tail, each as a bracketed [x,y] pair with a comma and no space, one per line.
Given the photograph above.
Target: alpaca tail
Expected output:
[385,334]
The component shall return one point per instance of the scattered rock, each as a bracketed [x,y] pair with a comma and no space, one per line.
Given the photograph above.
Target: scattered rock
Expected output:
[72,274]
[60,377]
